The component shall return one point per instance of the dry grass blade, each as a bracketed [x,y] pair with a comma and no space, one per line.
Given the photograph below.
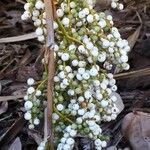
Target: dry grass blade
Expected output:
[19,38]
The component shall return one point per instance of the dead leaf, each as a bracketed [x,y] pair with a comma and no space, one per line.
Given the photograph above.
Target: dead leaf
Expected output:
[0,87]
[12,131]
[25,72]
[112,148]
[16,145]
[102,4]
[134,37]
[136,128]
[143,48]
[3,107]
[119,102]
[36,136]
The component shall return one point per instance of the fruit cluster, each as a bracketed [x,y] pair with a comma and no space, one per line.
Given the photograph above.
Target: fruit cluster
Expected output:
[88,48]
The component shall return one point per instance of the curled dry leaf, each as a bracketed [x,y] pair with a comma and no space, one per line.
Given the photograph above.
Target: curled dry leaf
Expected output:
[16,145]
[0,87]
[112,148]
[36,136]
[119,102]
[136,128]
[85,143]
[3,107]
[11,133]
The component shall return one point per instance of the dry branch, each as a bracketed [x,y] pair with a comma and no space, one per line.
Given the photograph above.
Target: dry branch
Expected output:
[49,58]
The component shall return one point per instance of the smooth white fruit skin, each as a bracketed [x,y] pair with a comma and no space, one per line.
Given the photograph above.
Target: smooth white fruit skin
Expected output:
[35,13]
[55,25]
[31,126]
[104,144]
[60,107]
[97,142]
[28,105]
[39,31]
[104,103]
[65,21]
[36,121]
[65,56]
[90,18]
[114,5]
[27,116]
[27,6]
[120,6]
[38,93]
[75,63]
[30,81]
[102,23]
[73,133]
[26,97]
[40,148]
[60,12]
[41,38]
[70,141]
[30,90]
[39,5]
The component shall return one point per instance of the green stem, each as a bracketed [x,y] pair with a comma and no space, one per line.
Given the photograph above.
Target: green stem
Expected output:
[66,34]
[62,116]
[39,86]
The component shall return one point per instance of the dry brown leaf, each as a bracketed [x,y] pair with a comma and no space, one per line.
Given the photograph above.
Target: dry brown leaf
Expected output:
[132,39]
[11,133]
[136,128]
[0,87]
[119,102]
[112,148]
[36,136]
[3,107]
[102,4]
[16,145]
[25,72]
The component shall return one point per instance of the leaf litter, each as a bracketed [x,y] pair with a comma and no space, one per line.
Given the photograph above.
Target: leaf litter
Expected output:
[134,90]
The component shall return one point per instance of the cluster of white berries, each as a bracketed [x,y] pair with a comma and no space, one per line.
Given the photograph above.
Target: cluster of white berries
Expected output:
[35,10]
[32,105]
[83,85]
[67,141]
[116,5]
[87,49]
